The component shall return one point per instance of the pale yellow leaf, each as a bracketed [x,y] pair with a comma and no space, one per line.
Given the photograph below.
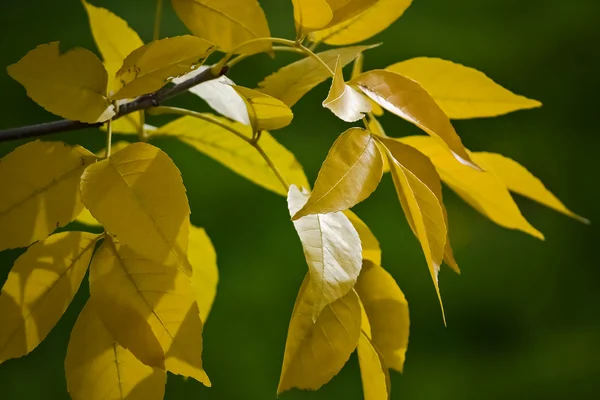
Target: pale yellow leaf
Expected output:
[137,194]
[152,66]
[370,245]
[350,173]
[39,288]
[71,85]
[315,351]
[205,274]
[481,189]
[98,368]
[294,80]
[149,309]
[460,91]
[227,23]
[39,186]
[311,15]
[344,101]
[266,112]
[374,374]
[408,100]
[235,153]
[332,250]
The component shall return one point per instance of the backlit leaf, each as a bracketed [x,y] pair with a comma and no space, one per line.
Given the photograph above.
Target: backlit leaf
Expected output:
[205,274]
[315,351]
[294,80]
[39,288]
[408,100]
[374,374]
[98,368]
[227,23]
[137,194]
[344,101]
[127,124]
[237,154]
[149,309]
[150,67]
[370,245]
[311,15]
[481,189]
[347,9]
[266,112]
[332,250]
[38,197]
[460,91]
[71,85]
[350,173]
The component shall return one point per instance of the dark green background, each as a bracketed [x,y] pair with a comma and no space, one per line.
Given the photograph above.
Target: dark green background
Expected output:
[523,318]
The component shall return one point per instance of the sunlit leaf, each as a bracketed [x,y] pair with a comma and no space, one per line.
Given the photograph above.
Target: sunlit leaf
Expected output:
[150,67]
[137,194]
[344,10]
[370,245]
[39,288]
[205,274]
[315,351]
[374,374]
[149,309]
[311,15]
[350,173]
[294,80]
[39,186]
[266,112]
[71,85]
[408,100]
[235,153]
[227,23]
[98,368]
[332,250]
[344,101]
[460,91]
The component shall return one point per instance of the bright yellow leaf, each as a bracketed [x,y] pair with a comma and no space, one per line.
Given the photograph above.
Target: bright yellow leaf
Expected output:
[370,245]
[363,26]
[344,101]
[227,23]
[481,189]
[311,15]
[71,85]
[374,374]
[266,112]
[149,309]
[332,250]
[408,100]
[235,153]
[205,274]
[350,173]
[137,194]
[460,91]
[97,368]
[344,10]
[127,124]
[315,351]
[39,288]
[39,186]
[294,80]
[150,67]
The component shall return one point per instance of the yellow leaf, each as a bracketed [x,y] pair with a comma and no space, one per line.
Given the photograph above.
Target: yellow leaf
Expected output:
[235,153]
[363,26]
[39,186]
[294,80]
[227,23]
[350,173]
[149,309]
[370,245]
[346,9]
[150,67]
[97,368]
[344,101]
[481,189]
[71,85]
[374,374]
[332,250]
[39,288]
[127,124]
[460,91]
[86,218]
[266,112]
[408,100]
[205,274]
[387,312]
[519,180]
[137,194]
[316,351]
[311,15]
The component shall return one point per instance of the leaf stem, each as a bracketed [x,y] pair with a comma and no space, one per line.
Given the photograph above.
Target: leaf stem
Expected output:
[109,131]
[272,166]
[142,136]
[157,19]
[310,53]
[242,57]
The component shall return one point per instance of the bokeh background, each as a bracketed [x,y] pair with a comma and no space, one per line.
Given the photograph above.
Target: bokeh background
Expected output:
[523,318]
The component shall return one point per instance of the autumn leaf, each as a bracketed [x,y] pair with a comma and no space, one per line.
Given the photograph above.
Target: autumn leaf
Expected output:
[370,245]
[374,374]
[344,101]
[332,250]
[350,173]
[266,112]
[461,92]
[98,368]
[311,15]
[205,274]
[39,288]
[38,197]
[137,194]
[71,85]
[347,9]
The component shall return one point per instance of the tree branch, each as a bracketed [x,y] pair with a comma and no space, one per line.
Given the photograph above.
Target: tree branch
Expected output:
[141,103]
